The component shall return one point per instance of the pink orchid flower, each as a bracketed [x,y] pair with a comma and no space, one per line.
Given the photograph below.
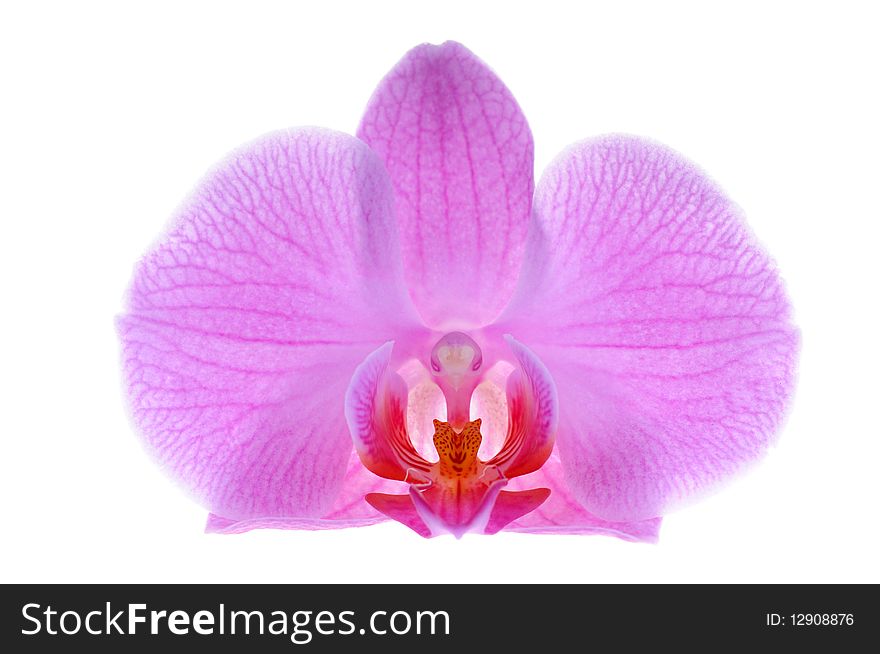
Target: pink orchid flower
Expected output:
[339,330]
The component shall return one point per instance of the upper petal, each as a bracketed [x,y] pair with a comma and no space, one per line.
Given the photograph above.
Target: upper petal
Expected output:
[245,322]
[664,324]
[460,156]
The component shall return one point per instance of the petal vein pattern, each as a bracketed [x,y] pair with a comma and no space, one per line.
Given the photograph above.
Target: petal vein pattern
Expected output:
[246,321]
[664,324]
[460,155]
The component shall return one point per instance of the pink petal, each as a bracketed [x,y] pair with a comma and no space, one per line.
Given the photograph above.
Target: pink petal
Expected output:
[348,510]
[663,323]
[247,319]
[563,514]
[460,156]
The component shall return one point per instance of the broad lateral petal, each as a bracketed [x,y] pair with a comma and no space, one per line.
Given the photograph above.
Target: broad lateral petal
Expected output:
[245,322]
[348,509]
[562,514]
[460,156]
[664,324]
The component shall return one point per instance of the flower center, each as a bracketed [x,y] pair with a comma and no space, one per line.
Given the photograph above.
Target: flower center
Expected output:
[460,492]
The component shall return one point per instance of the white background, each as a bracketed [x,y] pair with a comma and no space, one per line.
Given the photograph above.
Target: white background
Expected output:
[110,113]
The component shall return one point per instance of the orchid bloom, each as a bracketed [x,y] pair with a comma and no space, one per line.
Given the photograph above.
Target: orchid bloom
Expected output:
[338,330]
